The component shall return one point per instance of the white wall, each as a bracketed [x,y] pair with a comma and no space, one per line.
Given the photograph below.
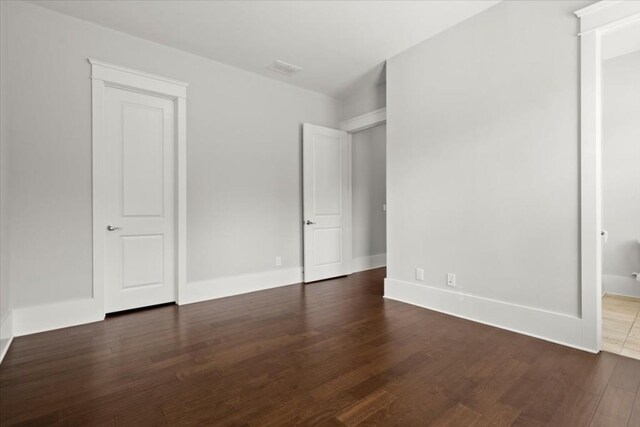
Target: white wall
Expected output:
[483,168]
[364,101]
[4,145]
[369,192]
[6,326]
[244,169]
[621,173]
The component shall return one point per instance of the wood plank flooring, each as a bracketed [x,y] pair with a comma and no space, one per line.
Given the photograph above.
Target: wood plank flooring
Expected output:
[329,353]
[621,325]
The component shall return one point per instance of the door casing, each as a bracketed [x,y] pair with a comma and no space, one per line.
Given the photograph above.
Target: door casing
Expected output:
[596,20]
[108,75]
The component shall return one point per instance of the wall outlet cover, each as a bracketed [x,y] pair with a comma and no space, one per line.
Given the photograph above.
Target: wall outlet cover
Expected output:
[451,280]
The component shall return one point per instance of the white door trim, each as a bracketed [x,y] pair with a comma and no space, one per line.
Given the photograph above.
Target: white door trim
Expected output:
[364,121]
[109,75]
[595,21]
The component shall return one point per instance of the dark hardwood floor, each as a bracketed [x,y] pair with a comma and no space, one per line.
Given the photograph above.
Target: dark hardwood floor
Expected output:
[329,353]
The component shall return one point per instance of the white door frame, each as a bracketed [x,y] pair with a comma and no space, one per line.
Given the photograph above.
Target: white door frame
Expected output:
[596,20]
[365,121]
[108,75]
[351,126]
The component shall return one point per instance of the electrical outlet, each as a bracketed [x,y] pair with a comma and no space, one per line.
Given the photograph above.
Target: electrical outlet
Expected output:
[451,280]
[278,261]
[419,274]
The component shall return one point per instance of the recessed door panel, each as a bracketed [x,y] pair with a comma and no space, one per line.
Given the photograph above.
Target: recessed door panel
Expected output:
[327,246]
[327,176]
[142,157]
[143,261]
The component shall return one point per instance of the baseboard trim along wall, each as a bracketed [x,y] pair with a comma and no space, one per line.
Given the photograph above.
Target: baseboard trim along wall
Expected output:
[368,262]
[31,320]
[6,334]
[547,325]
[41,318]
[620,285]
[236,285]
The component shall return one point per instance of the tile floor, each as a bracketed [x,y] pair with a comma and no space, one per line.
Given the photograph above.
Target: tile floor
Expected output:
[621,325]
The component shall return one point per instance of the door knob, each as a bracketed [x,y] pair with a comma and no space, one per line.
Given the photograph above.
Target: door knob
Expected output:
[113,228]
[309,222]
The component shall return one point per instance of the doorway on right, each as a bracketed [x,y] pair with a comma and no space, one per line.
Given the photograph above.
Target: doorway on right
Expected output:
[621,191]
[369,196]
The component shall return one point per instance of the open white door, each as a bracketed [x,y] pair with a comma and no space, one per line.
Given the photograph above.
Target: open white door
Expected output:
[139,229]
[327,202]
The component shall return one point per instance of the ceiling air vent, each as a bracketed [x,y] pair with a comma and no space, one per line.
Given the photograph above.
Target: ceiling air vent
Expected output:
[284,68]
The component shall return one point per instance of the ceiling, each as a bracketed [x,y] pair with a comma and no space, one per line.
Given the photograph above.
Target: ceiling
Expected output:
[341,45]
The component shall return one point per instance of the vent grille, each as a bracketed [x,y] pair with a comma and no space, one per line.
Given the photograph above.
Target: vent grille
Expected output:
[284,68]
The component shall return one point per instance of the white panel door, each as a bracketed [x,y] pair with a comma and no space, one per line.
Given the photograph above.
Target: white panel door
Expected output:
[327,203]
[139,211]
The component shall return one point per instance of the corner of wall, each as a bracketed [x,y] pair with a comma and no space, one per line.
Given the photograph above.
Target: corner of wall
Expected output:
[6,314]
[6,334]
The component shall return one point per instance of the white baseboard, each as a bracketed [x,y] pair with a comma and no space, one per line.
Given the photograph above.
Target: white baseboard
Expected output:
[620,285]
[31,320]
[6,334]
[547,325]
[368,262]
[235,285]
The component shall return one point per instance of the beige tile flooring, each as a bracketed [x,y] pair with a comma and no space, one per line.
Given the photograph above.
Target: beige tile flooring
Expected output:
[621,325]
